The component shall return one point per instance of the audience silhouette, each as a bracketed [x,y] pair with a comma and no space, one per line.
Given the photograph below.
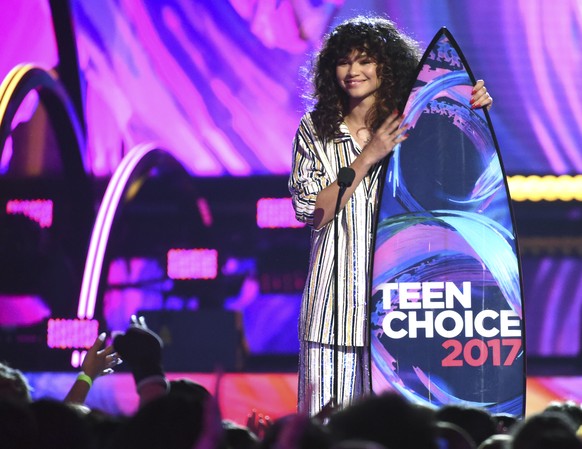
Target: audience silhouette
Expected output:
[181,414]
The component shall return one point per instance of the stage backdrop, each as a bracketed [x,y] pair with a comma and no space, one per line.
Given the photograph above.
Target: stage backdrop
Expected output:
[219,84]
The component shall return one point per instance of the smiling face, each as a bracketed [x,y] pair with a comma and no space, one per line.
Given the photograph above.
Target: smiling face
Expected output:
[357,75]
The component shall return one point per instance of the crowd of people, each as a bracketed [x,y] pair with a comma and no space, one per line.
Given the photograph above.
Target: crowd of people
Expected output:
[181,414]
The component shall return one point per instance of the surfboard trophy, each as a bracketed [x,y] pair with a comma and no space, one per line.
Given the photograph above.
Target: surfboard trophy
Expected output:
[446,315]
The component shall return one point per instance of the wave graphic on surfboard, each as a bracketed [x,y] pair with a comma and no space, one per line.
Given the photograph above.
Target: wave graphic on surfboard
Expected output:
[446,317]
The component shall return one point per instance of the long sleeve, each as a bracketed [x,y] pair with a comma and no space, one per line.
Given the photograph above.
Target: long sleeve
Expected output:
[315,166]
[308,175]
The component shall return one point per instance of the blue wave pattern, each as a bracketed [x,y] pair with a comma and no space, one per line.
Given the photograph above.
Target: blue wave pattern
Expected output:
[453,227]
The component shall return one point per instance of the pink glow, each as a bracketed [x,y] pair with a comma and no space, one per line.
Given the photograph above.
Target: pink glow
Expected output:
[407,244]
[551,99]
[40,211]
[77,358]
[223,79]
[558,36]
[205,212]
[22,310]
[116,91]
[543,390]
[254,97]
[125,295]
[7,153]
[201,120]
[18,82]
[23,114]
[276,213]
[290,25]
[19,44]
[560,282]
[178,111]
[192,263]
[270,394]
[65,334]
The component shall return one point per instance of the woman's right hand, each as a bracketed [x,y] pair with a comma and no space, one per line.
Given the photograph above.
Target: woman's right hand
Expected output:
[381,144]
[386,137]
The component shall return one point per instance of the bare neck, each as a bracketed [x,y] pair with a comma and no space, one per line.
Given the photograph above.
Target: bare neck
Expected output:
[355,120]
[357,114]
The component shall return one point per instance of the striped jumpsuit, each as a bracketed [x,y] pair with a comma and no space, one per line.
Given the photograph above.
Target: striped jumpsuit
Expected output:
[314,167]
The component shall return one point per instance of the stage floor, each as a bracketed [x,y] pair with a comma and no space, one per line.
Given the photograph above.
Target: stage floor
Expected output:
[273,394]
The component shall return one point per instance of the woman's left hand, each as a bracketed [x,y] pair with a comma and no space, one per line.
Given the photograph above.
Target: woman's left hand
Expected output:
[480,97]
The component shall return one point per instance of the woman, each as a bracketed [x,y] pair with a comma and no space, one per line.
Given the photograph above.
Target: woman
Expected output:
[361,78]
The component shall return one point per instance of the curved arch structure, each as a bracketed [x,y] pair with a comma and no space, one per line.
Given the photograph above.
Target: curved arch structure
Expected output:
[126,180]
[26,78]
[140,163]
[70,143]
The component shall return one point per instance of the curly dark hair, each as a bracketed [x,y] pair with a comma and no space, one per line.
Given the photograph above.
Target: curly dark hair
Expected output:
[396,54]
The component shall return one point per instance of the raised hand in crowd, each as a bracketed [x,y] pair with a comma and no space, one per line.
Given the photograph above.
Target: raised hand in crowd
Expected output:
[258,423]
[97,362]
[141,349]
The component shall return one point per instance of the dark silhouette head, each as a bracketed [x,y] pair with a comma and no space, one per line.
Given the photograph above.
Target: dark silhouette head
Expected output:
[389,420]
[546,430]
[477,422]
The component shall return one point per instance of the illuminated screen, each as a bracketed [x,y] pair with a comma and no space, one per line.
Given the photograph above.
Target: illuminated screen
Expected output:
[224,85]
[220,85]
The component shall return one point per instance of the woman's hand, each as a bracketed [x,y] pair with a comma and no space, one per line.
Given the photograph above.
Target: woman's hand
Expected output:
[99,362]
[480,97]
[386,137]
[258,423]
